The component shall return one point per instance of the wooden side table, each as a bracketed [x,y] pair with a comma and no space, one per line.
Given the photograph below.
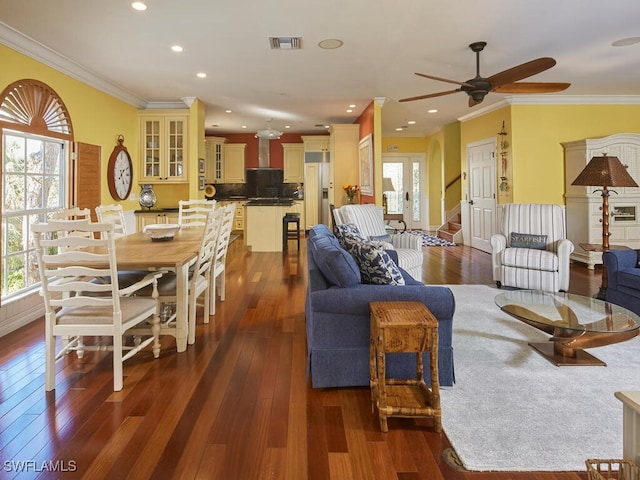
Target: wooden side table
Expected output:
[404,327]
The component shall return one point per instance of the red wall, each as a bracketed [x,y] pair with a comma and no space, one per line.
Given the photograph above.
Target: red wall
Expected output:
[251,152]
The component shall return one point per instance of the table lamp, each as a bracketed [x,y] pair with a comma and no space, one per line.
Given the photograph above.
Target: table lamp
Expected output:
[605,171]
[387,186]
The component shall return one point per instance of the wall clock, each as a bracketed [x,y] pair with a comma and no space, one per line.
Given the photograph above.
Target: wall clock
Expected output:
[120,171]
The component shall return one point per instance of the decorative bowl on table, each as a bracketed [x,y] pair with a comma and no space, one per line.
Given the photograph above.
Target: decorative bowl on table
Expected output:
[161,232]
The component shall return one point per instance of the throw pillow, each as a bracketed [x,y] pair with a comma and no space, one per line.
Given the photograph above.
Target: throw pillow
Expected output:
[528,240]
[380,238]
[337,266]
[348,234]
[375,265]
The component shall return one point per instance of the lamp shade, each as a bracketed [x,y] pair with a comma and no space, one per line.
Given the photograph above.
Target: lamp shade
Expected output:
[605,171]
[387,185]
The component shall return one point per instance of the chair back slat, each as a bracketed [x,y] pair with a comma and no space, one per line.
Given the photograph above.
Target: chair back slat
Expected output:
[193,213]
[115,215]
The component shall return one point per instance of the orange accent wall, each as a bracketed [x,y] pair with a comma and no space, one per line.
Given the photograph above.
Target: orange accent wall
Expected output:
[251,152]
[365,120]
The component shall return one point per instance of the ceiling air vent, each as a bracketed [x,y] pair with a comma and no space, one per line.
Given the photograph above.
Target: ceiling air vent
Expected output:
[285,43]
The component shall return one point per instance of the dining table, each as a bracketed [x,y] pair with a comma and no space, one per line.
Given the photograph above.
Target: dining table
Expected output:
[138,251]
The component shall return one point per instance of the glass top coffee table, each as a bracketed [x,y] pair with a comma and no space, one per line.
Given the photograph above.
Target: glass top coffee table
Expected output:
[573,321]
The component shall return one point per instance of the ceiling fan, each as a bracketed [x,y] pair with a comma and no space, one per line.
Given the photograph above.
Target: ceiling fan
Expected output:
[504,82]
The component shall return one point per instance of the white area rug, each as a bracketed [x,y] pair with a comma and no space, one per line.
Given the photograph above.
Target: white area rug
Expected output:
[512,410]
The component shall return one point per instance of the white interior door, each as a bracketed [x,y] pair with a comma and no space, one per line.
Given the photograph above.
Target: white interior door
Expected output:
[482,192]
[407,173]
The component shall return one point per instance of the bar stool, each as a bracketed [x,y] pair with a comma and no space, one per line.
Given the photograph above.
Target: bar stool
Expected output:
[290,234]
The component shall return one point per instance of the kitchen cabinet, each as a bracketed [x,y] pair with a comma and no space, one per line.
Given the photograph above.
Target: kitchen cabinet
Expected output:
[151,217]
[263,231]
[293,162]
[214,159]
[164,140]
[238,217]
[316,143]
[233,162]
[584,205]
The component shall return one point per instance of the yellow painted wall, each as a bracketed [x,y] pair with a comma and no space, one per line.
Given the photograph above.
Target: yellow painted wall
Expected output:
[538,131]
[535,160]
[97,118]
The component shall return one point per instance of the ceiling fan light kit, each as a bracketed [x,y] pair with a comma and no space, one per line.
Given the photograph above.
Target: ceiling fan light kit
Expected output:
[507,81]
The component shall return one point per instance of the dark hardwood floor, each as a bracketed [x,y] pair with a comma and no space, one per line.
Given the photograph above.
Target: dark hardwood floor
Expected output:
[236,405]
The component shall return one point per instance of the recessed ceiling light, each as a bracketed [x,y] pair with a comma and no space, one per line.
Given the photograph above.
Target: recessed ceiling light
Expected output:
[330,43]
[433,110]
[287,126]
[352,106]
[399,129]
[244,126]
[227,111]
[177,48]
[201,75]
[141,7]
[327,126]
[349,110]
[411,122]
[625,42]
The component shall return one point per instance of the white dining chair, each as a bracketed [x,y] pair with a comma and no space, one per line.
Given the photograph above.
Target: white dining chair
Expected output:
[114,214]
[82,296]
[73,213]
[193,213]
[219,266]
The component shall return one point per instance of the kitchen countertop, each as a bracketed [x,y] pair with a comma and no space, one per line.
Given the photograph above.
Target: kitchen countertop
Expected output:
[273,202]
[156,210]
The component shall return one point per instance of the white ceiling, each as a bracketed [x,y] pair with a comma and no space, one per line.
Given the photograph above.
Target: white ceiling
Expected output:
[127,53]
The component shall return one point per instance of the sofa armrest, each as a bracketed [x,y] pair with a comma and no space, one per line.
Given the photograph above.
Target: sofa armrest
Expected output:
[616,260]
[355,300]
[399,240]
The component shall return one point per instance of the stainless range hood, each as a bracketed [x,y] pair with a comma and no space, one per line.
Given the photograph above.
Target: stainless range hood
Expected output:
[263,152]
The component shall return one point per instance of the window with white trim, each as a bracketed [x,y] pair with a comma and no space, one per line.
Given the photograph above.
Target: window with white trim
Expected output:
[33,186]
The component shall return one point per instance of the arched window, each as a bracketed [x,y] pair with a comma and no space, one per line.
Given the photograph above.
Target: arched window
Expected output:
[36,135]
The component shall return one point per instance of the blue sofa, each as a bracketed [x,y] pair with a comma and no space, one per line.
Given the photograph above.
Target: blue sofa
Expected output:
[337,318]
[623,276]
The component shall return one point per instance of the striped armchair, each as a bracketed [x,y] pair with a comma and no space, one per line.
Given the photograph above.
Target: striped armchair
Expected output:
[532,251]
[370,221]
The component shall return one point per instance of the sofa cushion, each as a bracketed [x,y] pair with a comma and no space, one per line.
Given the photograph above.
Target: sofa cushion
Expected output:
[530,258]
[335,263]
[376,266]
[528,240]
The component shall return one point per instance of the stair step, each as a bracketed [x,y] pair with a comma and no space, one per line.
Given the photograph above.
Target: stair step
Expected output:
[445,235]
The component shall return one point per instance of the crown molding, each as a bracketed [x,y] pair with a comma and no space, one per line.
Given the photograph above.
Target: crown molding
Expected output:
[554,100]
[31,48]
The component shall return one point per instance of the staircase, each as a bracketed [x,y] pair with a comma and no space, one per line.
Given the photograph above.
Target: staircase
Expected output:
[451,230]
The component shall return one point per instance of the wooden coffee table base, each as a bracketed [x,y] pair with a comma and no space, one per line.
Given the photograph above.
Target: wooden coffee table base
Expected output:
[579,357]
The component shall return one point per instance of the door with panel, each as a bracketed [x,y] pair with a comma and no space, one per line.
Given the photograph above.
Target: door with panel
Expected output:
[481,157]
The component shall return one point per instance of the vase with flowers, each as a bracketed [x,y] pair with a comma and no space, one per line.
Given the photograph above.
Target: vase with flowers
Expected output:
[352,191]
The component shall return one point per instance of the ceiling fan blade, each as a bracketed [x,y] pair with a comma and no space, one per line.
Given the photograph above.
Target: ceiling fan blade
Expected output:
[531,87]
[464,84]
[430,95]
[521,71]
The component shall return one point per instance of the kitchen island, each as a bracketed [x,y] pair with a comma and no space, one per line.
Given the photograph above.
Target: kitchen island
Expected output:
[263,229]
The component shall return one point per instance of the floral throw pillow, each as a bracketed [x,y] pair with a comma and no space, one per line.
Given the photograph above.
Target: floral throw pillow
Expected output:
[375,264]
[347,234]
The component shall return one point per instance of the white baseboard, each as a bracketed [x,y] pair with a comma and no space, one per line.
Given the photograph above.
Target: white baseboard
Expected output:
[20,312]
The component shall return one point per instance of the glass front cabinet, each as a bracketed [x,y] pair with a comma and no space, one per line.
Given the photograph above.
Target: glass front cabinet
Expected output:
[164,148]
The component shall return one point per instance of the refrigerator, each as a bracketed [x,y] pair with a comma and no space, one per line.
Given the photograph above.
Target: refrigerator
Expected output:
[316,188]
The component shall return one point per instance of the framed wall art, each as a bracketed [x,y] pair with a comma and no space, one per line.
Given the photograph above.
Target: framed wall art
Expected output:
[365,149]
